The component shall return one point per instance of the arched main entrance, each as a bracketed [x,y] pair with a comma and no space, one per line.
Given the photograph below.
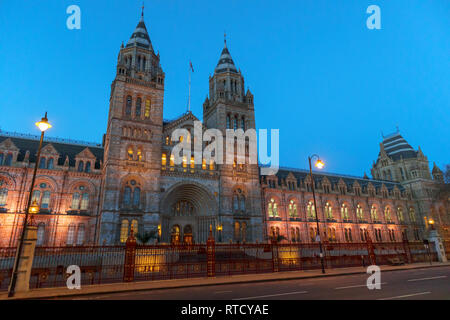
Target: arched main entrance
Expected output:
[190,207]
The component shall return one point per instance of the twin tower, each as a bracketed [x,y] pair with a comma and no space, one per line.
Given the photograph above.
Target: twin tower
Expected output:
[142,189]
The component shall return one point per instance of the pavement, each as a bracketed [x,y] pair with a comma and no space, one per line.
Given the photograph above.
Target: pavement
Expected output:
[265,283]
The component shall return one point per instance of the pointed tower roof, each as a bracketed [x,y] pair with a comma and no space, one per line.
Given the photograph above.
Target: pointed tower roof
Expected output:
[225,63]
[396,147]
[436,169]
[140,37]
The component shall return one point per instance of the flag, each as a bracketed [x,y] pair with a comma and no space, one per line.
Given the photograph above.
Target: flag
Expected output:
[190,64]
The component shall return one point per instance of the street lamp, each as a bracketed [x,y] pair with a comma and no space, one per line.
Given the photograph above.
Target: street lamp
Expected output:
[431,223]
[319,164]
[32,208]
[219,229]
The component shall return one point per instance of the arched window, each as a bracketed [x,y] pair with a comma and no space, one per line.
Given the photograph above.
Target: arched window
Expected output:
[310,210]
[134,226]
[75,201]
[124,231]
[412,214]
[242,203]
[138,107]
[359,212]
[235,122]
[40,234]
[172,160]
[272,208]
[36,196]
[292,209]
[84,201]
[243,123]
[328,211]
[228,122]
[80,234]
[3,195]
[50,163]
[1,159]
[70,234]
[211,165]
[147,109]
[136,197]
[8,160]
[128,106]
[45,202]
[139,154]
[80,166]
[127,196]
[387,214]
[374,213]
[130,153]
[41,163]
[164,159]
[88,167]
[235,202]
[344,212]
[400,215]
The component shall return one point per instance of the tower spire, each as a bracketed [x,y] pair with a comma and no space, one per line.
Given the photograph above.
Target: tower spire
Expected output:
[143,6]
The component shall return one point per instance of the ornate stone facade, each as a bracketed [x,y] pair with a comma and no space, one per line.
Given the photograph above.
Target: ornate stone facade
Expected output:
[92,193]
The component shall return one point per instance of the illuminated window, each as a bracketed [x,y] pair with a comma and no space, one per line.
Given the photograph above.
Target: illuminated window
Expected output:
[139,154]
[134,226]
[311,210]
[192,162]
[84,201]
[167,140]
[328,211]
[412,214]
[147,108]
[164,159]
[75,201]
[130,153]
[172,160]
[400,214]
[359,212]
[374,213]
[237,231]
[211,165]
[344,212]
[387,214]
[204,164]
[272,208]
[292,209]
[184,162]
[181,138]
[124,231]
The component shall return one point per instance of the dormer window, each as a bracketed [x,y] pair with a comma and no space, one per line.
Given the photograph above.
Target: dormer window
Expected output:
[80,166]
[88,167]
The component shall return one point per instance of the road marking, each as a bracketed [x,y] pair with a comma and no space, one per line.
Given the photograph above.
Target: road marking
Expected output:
[272,295]
[218,292]
[406,296]
[430,278]
[358,286]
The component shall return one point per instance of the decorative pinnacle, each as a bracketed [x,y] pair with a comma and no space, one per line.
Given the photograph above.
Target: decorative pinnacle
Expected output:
[142,14]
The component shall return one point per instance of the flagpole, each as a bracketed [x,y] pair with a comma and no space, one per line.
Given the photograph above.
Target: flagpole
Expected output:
[189,102]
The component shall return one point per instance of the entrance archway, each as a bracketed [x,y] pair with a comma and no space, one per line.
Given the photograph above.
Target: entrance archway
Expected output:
[192,207]
[175,234]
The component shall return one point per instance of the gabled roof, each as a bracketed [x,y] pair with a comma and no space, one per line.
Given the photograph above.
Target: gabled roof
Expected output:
[301,174]
[31,144]
[188,116]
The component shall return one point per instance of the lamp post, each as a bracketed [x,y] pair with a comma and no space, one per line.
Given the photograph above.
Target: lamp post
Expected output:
[319,164]
[219,229]
[431,223]
[32,208]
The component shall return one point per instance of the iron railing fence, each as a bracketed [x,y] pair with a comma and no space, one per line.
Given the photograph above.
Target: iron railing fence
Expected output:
[109,264]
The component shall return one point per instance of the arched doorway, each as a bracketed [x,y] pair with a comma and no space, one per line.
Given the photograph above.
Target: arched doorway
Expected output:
[175,234]
[192,207]
[187,235]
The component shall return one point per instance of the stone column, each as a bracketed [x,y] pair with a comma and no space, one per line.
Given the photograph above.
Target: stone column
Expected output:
[26,260]
[440,250]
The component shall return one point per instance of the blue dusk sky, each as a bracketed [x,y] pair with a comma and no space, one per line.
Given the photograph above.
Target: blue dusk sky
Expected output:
[330,84]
